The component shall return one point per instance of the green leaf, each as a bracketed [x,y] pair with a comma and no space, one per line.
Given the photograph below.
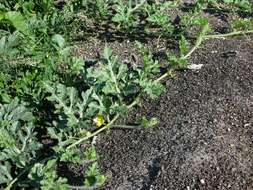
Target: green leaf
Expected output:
[94,177]
[77,65]
[110,75]
[130,89]
[5,172]
[5,97]
[58,40]
[8,46]
[6,140]
[176,61]
[17,20]
[119,109]
[46,175]
[242,24]
[206,28]
[161,19]
[152,88]
[70,105]
[146,123]
[201,21]
[183,46]
[18,143]
[1,16]
[91,154]
[71,155]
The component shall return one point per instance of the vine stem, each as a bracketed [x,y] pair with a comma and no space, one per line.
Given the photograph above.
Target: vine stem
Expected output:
[94,133]
[126,126]
[14,181]
[138,6]
[23,172]
[207,37]
[165,75]
[83,187]
[217,36]
[135,102]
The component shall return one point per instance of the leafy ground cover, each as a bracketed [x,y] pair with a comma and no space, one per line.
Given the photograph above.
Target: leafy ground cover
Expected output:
[71,70]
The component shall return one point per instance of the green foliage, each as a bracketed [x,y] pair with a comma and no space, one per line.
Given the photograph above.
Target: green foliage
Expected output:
[16,19]
[150,68]
[176,61]
[242,24]
[180,61]
[159,17]
[58,41]
[236,5]
[4,80]
[91,154]
[152,88]
[18,142]
[47,94]
[183,46]
[146,123]
[98,9]
[125,15]
[94,177]
[45,176]
[76,110]
[8,46]
[111,74]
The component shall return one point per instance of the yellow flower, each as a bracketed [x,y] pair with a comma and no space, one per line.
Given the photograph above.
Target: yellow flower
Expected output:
[99,120]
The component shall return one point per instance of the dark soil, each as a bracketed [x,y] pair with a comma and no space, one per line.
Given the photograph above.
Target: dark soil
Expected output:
[205,136]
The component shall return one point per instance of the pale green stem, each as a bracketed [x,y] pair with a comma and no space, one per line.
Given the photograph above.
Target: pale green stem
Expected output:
[138,5]
[104,127]
[217,36]
[83,187]
[165,75]
[9,187]
[95,133]
[126,126]
[13,181]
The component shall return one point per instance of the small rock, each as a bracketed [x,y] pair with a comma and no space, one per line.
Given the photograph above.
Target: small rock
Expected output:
[94,140]
[214,51]
[195,66]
